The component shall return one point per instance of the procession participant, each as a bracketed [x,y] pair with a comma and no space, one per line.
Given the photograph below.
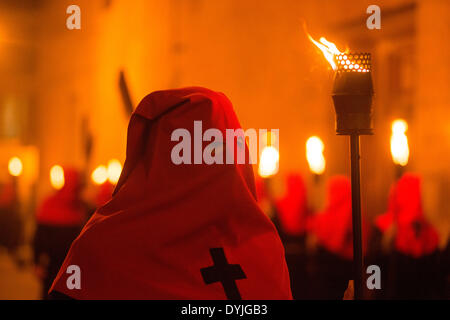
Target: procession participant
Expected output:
[333,263]
[291,222]
[178,231]
[59,220]
[411,261]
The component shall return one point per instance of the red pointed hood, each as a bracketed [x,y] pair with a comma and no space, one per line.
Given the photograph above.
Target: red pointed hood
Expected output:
[64,207]
[415,235]
[167,223]
[333,227]
[292,208]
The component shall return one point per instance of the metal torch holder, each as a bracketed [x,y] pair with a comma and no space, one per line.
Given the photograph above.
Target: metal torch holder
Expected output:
[352,97]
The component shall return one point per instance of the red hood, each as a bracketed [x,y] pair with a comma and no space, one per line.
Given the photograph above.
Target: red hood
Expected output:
[333,227]
[64,207]
[157,237]
[292,208]
[415,235]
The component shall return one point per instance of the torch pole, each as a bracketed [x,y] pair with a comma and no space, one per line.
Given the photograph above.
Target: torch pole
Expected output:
[356,216]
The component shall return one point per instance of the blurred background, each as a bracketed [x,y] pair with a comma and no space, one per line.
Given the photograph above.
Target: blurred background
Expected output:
[66,96]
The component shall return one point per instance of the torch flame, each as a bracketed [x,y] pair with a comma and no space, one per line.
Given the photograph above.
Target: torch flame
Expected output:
[314,155]
[328,49]
[15,166]
[399,142]
[114,169]
[57,177]
[336,57]
[268,162]
[99,175]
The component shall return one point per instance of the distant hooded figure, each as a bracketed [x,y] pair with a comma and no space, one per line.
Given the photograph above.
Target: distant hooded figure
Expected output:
[412,263]
[291,222]
[333,230]
[293,207]
[11,226]
[59,220]
[179,231]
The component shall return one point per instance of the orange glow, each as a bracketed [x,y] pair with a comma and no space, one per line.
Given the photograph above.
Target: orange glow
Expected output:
[57,177]
[399,142]
[15,166]
[268,162]
[99,175]
[114,170]
[314,155]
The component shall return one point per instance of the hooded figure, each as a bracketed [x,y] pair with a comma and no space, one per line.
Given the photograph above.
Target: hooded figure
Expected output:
[415,236]
[64,208]
[186,231]
[333,227]
[11,226]
[59,220]
[413,245]
[291,219]
[333,230]
[293,207]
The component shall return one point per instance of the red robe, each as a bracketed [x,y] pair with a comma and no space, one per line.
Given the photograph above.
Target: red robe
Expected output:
[104,193]
[333,227]
[64,207]
[415,236]
[157,238]
[293,208]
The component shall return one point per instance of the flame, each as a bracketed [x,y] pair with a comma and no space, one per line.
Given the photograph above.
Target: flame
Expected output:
[57,177]
[399,142]
[99,175]
[114,170]
[314,155]
[334,56]
[15,166]
[268,162]
[328,49]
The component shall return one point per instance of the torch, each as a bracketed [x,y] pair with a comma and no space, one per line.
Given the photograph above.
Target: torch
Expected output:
[317,164]
[399,146]
[57,177]
[315,157]
[352,97]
